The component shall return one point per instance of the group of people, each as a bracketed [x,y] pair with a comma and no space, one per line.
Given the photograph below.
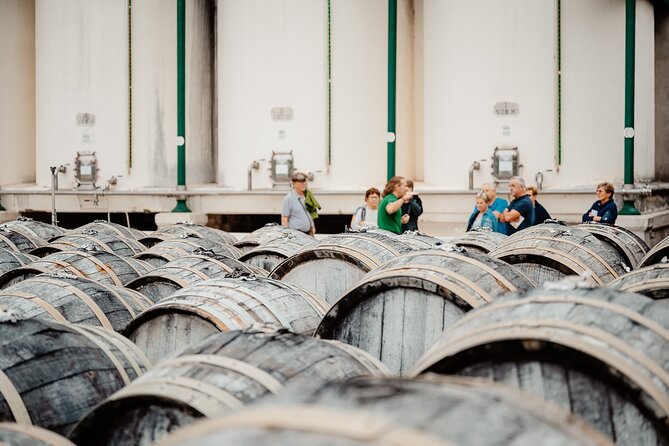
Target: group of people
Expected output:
[397,209]
[496,213]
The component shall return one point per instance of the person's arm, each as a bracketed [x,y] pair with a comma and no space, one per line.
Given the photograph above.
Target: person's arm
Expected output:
[608,215]
[510,215]
[395,206]
[284,221]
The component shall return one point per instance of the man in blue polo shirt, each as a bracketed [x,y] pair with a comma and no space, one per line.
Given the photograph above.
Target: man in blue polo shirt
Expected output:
[520,212]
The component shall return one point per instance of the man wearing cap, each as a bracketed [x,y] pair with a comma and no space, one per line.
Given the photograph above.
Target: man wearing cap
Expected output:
[294,214]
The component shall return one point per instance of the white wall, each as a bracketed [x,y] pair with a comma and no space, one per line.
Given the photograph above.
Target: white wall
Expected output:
[17,91]
[81,66]
[270,54]
[477,54]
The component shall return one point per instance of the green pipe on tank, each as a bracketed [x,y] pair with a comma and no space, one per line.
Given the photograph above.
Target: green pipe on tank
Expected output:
[392,80]
[630,29]
[181,105]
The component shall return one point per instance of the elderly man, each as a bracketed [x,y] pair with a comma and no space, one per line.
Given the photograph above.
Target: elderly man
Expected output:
[294,214]
[520,212]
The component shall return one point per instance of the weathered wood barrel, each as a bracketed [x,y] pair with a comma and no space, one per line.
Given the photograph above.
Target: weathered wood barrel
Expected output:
[417,240]
[52,374]
[385,411]
[266,234]
[629,245]
[12,259]
[479,240]
[651,281]
[65,297]
[186,271]
[214,377]
[18,241]
[599,353]
[336,263]
[656,254]
[14,434]
[97,265]
[34,228]
[550,251]
[171,249]
[401,308]
[268,255]
[223,304]
[123,246]
[109,228]
[200,231]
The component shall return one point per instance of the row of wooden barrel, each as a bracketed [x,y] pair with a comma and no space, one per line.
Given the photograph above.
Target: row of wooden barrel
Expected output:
[446,282]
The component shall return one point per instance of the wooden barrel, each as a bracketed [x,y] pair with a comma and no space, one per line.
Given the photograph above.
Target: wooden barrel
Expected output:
[656,254]
[268,255]
[336,263]
[550,251]
[223,304]
[417,240]
[20,434]
[479,240]
[186,271]
[65,297]
[401,308]
[266,234]
[12,259]
[109,228]
[651,281]
[214,377]
[599,353]
[34,229]
[200,231]
[123,246]
[171,249]
[386,411]
[629,245]
[99,266]
[52,374]
[18,241]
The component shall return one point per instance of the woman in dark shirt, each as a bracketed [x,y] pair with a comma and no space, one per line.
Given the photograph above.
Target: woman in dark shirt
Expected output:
[603,210]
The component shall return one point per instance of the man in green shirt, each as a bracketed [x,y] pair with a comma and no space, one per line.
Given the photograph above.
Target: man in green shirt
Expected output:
[395,194]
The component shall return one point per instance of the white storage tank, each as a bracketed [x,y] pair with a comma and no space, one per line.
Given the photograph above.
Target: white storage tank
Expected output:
[274,55]
[17,94]
[154,90]
[478,54]
[82,53]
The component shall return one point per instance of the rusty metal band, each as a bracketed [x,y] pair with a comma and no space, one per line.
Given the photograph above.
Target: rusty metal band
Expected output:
[537,330]
[114,360]
[85,298]
[485,295]
[553,254]
[10,243]
[102,266]
[128,348]
[13,399]
[455,288]
[354,424]
[36,433]
[454,255]
[590,252]
[243,368]
[203,397]
[372,364]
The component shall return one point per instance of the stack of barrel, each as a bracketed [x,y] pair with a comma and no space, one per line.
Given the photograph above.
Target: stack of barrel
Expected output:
[558,334]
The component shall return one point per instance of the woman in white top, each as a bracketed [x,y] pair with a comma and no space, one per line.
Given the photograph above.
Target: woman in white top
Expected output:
[365,216]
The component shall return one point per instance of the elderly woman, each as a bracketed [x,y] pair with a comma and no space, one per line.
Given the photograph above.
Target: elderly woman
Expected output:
[604,209]
[366,216]
[484,218]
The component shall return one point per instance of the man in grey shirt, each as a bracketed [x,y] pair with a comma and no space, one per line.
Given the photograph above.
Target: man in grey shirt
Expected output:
[294,214]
